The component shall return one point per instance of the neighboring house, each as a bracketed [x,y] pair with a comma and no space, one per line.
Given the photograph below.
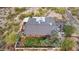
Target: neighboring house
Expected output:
[40,26]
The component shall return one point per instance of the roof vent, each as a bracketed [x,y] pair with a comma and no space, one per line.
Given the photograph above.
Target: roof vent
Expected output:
[39,22]
[42,19]
[50,24]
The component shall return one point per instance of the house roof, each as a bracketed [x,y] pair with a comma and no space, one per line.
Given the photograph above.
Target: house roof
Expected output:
[33,27]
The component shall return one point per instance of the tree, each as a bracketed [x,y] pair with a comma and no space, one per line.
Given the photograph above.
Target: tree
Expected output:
[19,10]
[68,30]
[37,13]
[67,44]
[40,12]
[10,39]
[60,10]
[28,14]
[74,11]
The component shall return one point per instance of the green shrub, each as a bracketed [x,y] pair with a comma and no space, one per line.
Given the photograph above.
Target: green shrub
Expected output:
[10,16]
[33,42]
[40,12]
[22,16]
[60,10]
[19,10]
[74,11]
[37,13]
[41,42]
[68,30]
[67,44]
[10,38]
[55,42]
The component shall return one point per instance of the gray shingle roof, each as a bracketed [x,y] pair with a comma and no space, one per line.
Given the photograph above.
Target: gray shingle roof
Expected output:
[43,28]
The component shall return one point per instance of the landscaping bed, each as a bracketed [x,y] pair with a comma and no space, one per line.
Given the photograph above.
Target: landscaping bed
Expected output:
[37,42]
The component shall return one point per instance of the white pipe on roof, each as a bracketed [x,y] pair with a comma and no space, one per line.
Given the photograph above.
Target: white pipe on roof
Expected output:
[40,18]
[50,24]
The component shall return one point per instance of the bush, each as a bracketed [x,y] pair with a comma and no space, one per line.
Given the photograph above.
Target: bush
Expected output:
[74,11]
[60,10]
[33,42]
[67,44]
[11,16]
[40,12]
[55,42]
[19,10]
[41,42]
[10,38]
[37,13]
[22,16]
[68,30]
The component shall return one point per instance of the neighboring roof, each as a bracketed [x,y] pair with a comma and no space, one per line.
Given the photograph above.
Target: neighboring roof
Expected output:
[32,27]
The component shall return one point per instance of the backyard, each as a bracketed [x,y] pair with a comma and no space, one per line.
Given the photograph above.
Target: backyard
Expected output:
[38,42]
